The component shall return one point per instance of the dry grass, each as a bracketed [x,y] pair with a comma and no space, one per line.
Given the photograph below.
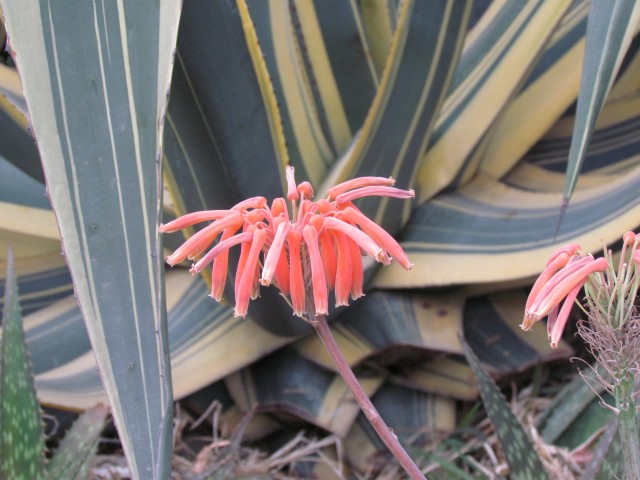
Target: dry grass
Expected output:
[476,452]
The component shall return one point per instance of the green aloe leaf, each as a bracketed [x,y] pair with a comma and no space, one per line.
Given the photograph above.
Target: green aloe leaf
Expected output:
[78,448]
[96,78]
[22,445]
[567,406]
[607,460]
[523,462]
[610,29]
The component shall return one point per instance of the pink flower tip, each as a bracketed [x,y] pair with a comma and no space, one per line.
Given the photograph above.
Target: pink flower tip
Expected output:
[292,189]
[629,238]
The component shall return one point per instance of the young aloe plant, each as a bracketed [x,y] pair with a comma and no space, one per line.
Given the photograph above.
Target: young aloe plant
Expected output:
[22,440]
[612,326]
[22,443]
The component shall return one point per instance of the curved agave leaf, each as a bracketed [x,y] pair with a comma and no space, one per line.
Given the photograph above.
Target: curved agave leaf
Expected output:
[201,332]
[17,144]
[11,99]
[18,188]
[610,30]
[398,126]
[322,75]
[378,23]
[29,224]
[421,414]
[607,460]
[549,93]
[492,230]
[491,329]
[287,383]
[383,320]
[449,376]
[498,55]
[44,278]
[425,328]
[568,405]
[218,98]
[549,90]
[388,326]
[99,135]
[211,162]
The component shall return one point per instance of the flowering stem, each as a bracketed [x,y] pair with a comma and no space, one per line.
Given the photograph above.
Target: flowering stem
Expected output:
[387,436]
[627,426]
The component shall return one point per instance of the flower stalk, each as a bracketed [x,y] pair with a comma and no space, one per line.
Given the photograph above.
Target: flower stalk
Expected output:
[306,251]
[628,426]
[389,438]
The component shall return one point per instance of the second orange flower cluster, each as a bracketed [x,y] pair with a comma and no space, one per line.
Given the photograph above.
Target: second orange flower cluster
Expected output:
[566,273]
[316,244]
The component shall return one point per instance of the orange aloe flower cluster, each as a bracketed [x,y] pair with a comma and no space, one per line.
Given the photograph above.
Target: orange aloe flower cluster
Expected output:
[564,275]
[316,243]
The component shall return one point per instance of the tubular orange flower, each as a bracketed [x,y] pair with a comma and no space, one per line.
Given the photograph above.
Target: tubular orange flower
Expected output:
[357,275]
[222,247]
[344,274]
[308,247]
[273,257]
[329,261]
[363,240]
[610,331]
[561,288]
[220,269]
[373,191]
[296,277]
[378,234]
[201,240]
[306,190]
[250,203]
[556,324]
[561,281]
[359,183]
[191,219]
[318,281]
[244,291]
[279,208]
[570,250]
